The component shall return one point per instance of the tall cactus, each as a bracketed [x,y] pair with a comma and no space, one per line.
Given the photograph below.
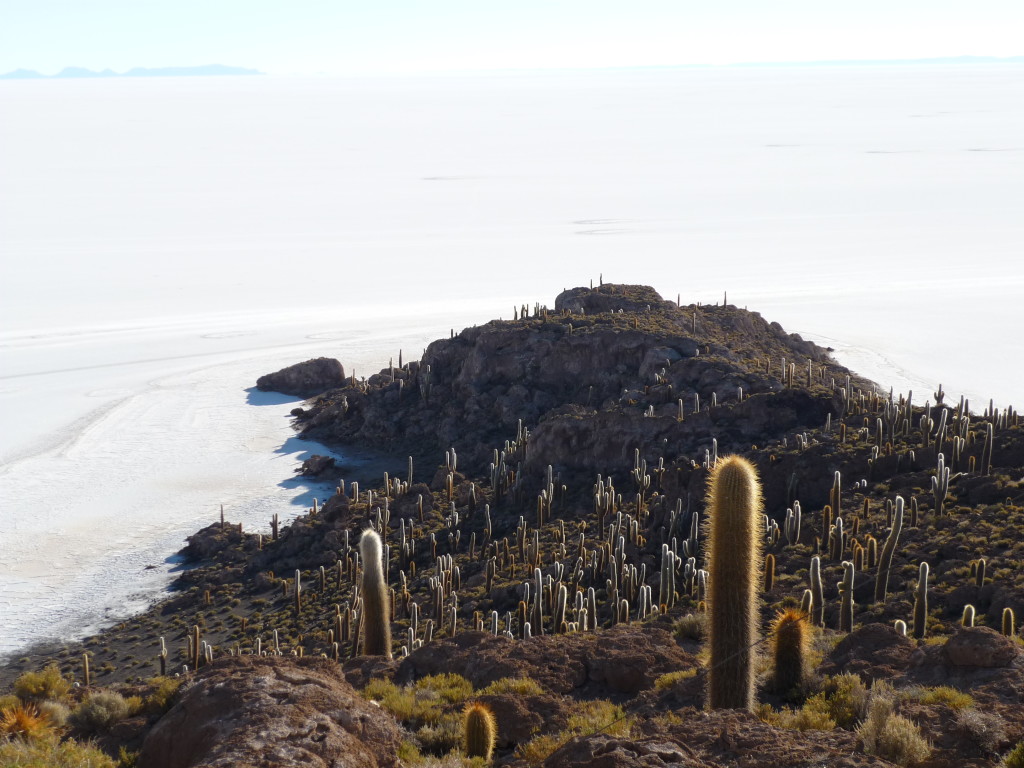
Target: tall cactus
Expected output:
[817,593]
[921,603]
[376,611]
[846,593]
[734,562]
[888,549]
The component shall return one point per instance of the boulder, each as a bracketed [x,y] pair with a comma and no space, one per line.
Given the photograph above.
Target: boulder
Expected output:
[316,465]
[305,379]
[874,651]
[272,712]
[980,647]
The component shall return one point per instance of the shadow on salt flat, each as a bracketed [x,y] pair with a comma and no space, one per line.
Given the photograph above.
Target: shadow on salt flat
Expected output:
[255,396]
[308,489]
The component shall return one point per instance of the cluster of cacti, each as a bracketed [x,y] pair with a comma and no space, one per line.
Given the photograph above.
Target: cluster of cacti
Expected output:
[635,542]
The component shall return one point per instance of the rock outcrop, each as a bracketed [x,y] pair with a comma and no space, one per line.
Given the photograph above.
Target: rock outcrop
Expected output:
[272,712]
[599,376]
[307,379]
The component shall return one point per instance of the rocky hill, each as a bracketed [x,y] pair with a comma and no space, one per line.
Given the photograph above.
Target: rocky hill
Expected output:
[544,513]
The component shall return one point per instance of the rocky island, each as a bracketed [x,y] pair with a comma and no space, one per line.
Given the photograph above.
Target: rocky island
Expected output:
[619,531]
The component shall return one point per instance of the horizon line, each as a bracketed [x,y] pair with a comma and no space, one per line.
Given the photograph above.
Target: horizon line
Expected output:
[141,71]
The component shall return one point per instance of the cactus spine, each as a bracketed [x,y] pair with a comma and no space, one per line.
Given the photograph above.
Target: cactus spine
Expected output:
[921,602]
[376,612]
[481,729]
[888,549]
[734,559]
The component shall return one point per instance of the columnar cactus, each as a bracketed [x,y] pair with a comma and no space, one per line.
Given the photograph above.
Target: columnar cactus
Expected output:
[888,549]
[846,593]
[967,620]
[817,593]
[481,729]
[789,649]
[734,537]
[921,602]
[376,611]
[1009,622]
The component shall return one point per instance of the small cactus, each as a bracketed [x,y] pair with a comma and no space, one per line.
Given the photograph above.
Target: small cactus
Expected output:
[789,649]
[481,730]
[1009,622]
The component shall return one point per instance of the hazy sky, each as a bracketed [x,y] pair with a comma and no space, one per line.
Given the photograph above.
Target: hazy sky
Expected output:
[362,36]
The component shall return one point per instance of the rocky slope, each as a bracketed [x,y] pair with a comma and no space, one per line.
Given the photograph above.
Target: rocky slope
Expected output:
[555,443]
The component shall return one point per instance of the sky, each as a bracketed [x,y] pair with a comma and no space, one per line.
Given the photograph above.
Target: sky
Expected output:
[342,37]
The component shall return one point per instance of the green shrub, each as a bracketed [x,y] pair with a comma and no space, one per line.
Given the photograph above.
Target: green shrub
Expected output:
[442,736]
[424,702]
[942,694]
[1014,758]
[810,717]
[161,698]
[99,712]
[693,626]
[669,679]
[843,698]
[52,753]
[521,686]
[891,736]
[47,685]
[55,712]
[585,718]
[447,687]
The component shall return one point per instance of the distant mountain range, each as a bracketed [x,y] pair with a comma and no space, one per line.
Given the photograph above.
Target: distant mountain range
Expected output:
[79,72]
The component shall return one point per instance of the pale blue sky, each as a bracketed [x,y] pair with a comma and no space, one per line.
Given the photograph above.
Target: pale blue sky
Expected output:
[343,37]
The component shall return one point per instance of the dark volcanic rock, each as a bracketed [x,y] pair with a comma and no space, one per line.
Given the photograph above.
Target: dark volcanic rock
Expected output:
[980,647]
[874,651]
[316,465]
[271,712]
[305,379]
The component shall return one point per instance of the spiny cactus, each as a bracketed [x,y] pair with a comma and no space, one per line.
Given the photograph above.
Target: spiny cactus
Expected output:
[376,611]
[734,538]
[921,602]
[481,730]
[888,549]
[790,632]
[901,627]
[967,620]
[1009,623]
